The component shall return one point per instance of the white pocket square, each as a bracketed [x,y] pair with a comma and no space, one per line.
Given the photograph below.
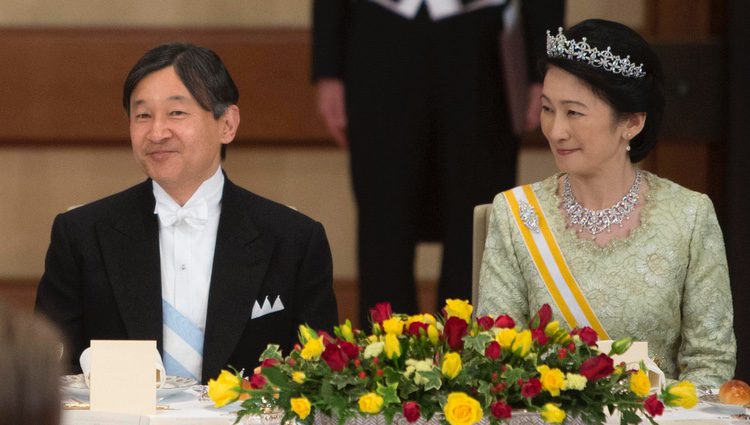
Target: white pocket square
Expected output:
[266,308]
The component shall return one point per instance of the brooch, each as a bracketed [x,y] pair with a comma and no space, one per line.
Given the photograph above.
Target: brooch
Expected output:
[528,216]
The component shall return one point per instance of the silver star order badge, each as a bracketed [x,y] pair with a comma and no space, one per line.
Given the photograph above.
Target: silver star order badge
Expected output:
[528,216]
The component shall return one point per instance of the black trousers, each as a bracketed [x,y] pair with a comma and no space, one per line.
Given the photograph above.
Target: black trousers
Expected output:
[429,136]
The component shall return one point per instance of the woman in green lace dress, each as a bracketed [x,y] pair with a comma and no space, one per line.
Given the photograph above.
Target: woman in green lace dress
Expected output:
[646,254]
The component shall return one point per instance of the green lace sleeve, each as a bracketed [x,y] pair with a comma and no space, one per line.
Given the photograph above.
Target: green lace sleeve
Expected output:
[707,353]
[502,289]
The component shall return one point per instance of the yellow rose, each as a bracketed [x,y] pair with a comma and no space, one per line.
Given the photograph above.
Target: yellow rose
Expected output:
[392,346]
[393,326]
[574,381]
[313,349]
[682,394]
[552,414]
[429,319]
[451,365]
[346,331]
[300,406]
[370,403]
[458,308]
[505,337]
[432,334]
[462,410]
[522,343]
[298,377]
[551,328]
[306,333]
[639,383]
[552,379]
[413,319]
[223,390]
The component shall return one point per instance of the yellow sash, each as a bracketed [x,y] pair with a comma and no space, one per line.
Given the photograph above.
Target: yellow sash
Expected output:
[549,261]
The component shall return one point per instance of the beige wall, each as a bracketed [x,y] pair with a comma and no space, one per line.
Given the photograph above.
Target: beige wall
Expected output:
[234,13]
[204,13]
[39,182]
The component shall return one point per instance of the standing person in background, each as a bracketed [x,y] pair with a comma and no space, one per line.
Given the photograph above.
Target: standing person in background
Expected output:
[413,88]
[30,368]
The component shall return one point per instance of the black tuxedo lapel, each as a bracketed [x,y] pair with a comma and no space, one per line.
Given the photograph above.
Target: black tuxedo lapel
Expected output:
[130,251]
[240,262]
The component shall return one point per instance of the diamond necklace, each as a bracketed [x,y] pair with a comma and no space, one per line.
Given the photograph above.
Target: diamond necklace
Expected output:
[597,221]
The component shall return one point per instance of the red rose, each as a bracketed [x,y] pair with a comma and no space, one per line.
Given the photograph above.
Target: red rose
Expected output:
[454,330]
[531,388]
[485,322]
[562,353]
[411,411]
[539,336]
[334,357]
[500,410]
[414,328]
[269,363]
[499,387]
[493,350]
[381,311]
[588,336]
[327,338]
[542,317]
[597,367]
[351,350]
[505,321]
[571,347]
[653,406]
[258,381]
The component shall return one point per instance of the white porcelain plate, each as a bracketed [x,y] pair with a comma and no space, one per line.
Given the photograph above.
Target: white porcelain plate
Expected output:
[76,386]
[713,400]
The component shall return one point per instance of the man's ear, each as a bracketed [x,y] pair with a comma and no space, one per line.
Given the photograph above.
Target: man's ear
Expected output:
[229,122]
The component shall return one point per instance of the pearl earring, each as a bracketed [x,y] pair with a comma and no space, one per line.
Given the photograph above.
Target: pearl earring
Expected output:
[627,148]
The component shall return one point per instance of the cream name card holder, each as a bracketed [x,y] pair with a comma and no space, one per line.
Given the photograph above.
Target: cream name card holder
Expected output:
[122,377]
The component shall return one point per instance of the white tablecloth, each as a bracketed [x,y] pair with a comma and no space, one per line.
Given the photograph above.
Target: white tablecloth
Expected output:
[187,409]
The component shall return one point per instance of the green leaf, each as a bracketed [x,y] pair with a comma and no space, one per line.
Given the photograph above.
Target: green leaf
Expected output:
[629,417]
[326,389]
[272,351]
[391,375]
[478,342]
[276,377]
[513,374]
[341,381]
[434,379]
[389,393]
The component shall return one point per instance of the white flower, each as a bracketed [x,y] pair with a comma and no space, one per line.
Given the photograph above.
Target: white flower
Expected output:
[413,365]
[574,381]
[374,349]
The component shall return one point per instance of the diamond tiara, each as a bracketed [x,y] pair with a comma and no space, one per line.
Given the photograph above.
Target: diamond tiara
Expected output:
[559,46]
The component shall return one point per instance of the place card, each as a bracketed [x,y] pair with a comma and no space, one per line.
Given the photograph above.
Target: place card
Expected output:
[637,352]
[122,377]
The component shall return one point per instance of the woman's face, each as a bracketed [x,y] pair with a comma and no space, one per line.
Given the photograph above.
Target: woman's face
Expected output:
[583,131]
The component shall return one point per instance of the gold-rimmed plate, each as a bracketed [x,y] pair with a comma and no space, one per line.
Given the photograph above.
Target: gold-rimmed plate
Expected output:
[75,386]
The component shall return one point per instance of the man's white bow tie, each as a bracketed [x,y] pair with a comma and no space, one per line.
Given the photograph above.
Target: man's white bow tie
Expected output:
[195,215]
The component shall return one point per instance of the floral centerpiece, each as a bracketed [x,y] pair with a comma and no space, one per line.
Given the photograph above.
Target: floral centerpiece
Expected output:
[453,366]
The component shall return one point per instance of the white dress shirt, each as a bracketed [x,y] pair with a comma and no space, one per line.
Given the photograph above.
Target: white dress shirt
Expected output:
[187,252]
[437,9]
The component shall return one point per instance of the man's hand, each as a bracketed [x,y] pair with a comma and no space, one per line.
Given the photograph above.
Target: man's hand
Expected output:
[534,108]
[332,108]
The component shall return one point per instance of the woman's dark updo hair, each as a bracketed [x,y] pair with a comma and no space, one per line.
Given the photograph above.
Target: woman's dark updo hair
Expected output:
[624,94]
